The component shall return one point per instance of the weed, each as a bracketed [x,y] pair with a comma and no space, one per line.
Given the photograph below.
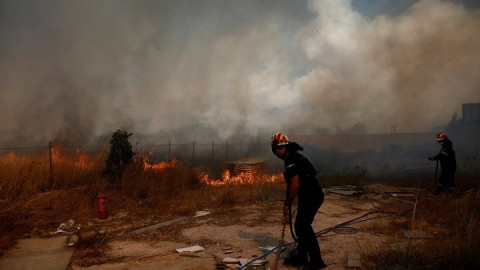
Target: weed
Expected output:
[454,246]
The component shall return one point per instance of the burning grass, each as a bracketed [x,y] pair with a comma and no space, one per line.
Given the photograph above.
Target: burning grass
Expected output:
[151,192]
[33,205]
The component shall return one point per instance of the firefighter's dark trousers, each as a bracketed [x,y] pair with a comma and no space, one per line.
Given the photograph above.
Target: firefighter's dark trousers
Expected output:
[447,178]
[307,240]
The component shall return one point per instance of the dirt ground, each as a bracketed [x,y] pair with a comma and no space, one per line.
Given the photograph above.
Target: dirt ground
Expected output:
[240,233]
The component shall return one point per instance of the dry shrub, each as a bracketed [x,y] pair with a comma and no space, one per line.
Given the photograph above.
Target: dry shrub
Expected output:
[456,221]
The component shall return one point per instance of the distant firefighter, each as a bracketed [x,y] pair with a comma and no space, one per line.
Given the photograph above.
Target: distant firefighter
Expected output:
[448,163]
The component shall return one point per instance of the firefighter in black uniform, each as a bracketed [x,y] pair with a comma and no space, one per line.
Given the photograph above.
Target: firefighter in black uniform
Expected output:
[300,177]
[448,164]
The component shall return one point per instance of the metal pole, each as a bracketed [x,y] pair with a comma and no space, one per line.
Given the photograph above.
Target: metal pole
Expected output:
[51,165]
[227,150]
[212,150]
[169,151]
[241,147]
[193,151]
[280,244]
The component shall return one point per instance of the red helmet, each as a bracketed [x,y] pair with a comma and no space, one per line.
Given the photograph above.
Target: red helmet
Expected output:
[279,139]
[441,136]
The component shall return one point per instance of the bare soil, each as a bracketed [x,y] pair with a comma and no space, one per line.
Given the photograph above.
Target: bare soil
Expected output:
[239,232]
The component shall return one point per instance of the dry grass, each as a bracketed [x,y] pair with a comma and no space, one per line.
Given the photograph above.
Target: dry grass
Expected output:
[30,207]
[169,190]
[453,220]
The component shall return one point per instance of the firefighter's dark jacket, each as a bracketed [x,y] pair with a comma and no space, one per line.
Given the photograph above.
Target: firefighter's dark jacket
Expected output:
[297,164]
[447,157]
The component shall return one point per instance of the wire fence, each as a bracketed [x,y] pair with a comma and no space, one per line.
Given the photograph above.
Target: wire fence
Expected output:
[52,157]
[192,152]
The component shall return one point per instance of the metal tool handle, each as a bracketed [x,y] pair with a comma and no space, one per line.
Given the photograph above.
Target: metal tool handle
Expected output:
[280,244]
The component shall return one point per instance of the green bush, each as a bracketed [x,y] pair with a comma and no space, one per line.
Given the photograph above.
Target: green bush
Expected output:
[120,155]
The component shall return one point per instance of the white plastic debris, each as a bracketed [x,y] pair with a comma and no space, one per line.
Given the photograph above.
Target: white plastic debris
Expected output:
[67,227]
[201,213]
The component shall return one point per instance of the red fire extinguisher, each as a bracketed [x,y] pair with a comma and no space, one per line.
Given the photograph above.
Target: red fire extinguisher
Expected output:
[102,205]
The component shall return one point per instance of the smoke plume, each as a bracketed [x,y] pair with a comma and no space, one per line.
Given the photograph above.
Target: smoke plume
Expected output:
[74,71]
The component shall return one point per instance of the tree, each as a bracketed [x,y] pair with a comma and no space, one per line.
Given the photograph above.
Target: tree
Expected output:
[359,128]
[121,154]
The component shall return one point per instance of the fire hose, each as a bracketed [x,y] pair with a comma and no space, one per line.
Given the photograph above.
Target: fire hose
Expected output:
[345,224]
[337,229]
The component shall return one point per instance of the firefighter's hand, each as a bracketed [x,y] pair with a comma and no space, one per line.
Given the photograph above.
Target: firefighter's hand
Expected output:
[431,158]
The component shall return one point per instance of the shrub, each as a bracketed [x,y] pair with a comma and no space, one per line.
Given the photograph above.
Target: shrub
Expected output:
[120,155]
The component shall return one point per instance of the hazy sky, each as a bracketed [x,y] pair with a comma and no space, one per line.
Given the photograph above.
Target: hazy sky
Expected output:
[75,70]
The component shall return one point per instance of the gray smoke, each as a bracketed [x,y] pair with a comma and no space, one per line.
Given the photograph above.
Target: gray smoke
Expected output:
[74,71]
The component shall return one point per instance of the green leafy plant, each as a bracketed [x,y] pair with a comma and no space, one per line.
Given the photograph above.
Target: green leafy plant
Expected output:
[120,155]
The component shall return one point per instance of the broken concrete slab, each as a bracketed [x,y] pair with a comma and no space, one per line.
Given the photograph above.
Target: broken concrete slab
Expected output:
[160,225]
[417,234]
[170,222]
[354,260]
[346,190]
[229,260]
[195,248]
[49,253]
[164,262]
[243,261]
[190,254]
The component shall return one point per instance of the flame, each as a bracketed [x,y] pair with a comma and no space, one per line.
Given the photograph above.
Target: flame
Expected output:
[56,153]
[245,178]
[159,166]
[82,160]
[79,160]
[240,179]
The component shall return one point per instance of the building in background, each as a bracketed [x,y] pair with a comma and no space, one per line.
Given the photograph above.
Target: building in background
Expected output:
[471,113]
